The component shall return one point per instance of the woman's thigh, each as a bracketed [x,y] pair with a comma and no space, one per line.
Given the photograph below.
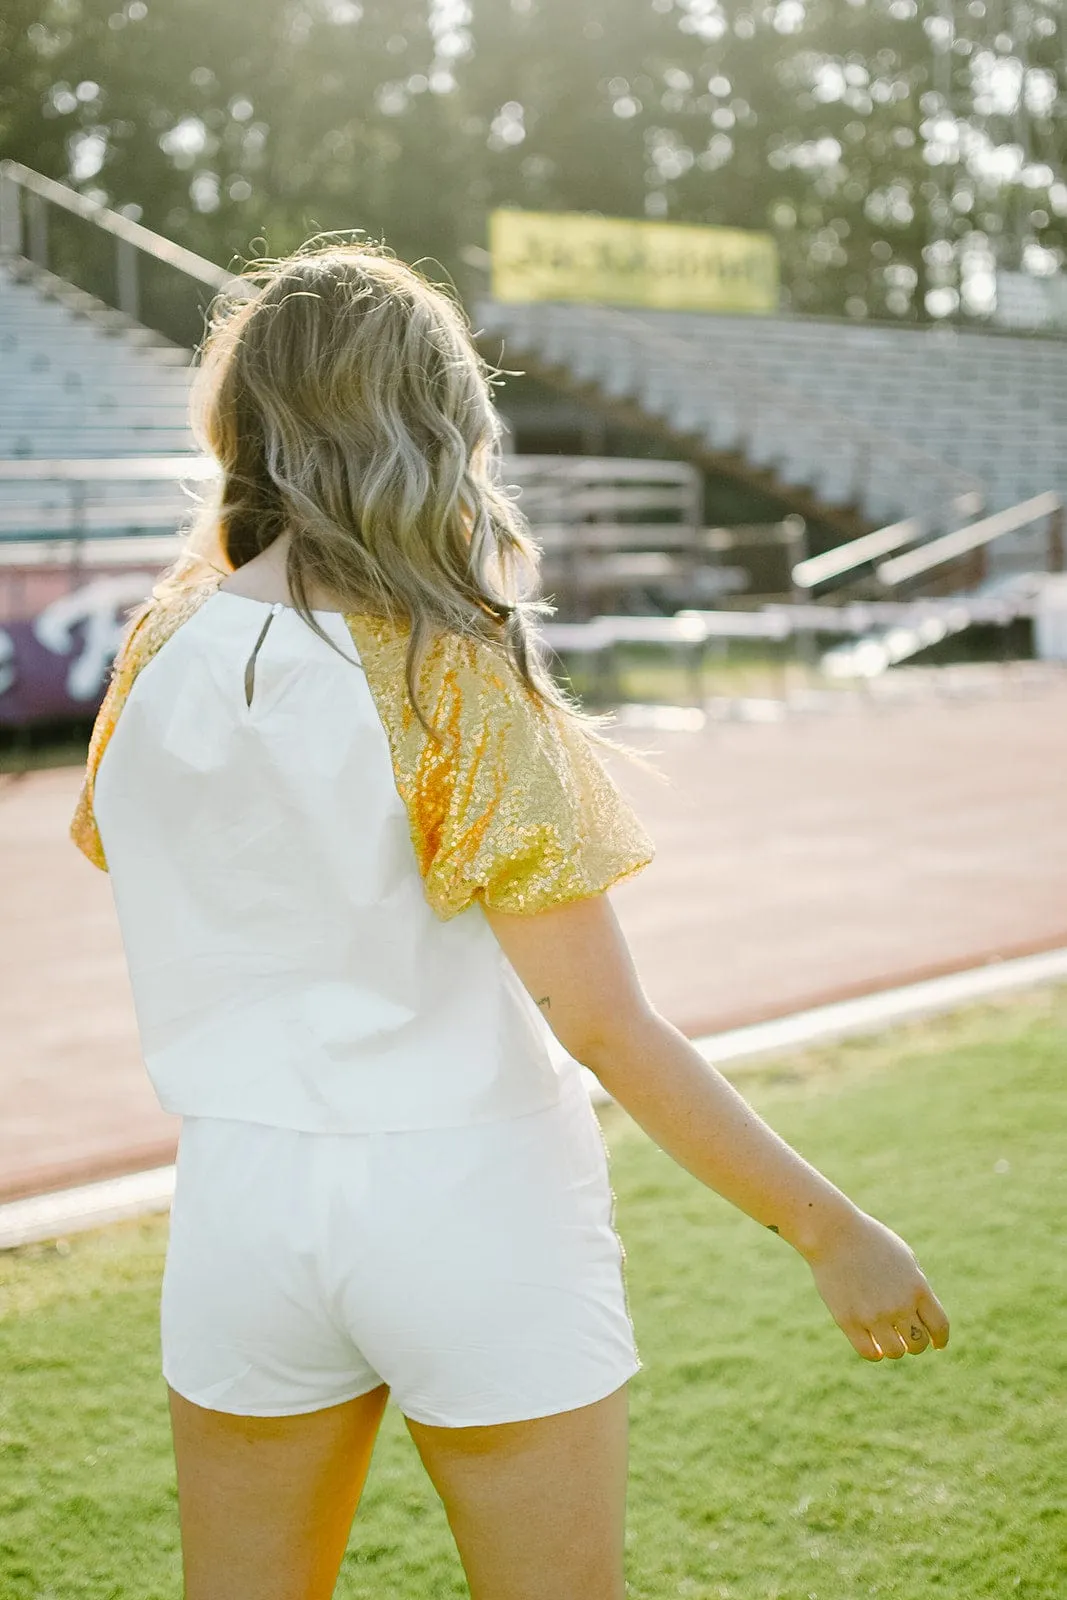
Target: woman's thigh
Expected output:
[537,1508]
[266,1503]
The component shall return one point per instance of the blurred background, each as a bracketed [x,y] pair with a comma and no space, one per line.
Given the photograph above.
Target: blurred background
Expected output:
[782,283]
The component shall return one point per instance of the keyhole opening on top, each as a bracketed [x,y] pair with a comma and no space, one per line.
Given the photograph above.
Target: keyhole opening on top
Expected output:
[250,667]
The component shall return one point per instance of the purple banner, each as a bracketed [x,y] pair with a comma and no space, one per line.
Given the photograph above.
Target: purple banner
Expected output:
[56,663]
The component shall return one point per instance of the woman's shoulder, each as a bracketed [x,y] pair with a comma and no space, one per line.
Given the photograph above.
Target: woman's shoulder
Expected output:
[149,626]
[155,620]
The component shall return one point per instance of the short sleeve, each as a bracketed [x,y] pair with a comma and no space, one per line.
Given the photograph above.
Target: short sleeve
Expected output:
[83,829]
[148,629]
[511,806]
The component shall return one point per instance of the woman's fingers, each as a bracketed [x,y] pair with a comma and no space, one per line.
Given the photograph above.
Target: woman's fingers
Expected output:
[933,1315]
[906,1336]
[888,1340]
[861,1341]
[914,1334]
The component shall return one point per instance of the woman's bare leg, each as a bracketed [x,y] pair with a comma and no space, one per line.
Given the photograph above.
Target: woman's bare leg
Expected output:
[266,1503]
[537,1509]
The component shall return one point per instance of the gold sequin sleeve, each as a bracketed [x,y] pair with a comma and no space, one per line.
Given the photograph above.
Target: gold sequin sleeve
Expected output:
[148,629]
[512,806]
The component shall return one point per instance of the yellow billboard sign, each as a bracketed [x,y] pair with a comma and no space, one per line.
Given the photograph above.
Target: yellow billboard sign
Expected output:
[568,256]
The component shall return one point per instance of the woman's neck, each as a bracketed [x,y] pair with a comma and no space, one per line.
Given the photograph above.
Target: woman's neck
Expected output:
[265,578]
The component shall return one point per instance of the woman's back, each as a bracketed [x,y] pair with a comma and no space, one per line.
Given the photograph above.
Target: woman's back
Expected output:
[286,963]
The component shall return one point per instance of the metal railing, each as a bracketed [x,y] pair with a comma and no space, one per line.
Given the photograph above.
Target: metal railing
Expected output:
[775,645]
[856,553]
[560,495]
[95,514]
[777,621]
[614,532]
[970,546]
[67,502]
[108,469]
[26,231]
[66,522]
[847,561]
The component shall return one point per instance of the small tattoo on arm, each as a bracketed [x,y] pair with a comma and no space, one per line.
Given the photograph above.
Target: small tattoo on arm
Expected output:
[772,1227]
[545,1002]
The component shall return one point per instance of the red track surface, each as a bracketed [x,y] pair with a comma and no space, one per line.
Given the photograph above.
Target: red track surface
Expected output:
[797,862]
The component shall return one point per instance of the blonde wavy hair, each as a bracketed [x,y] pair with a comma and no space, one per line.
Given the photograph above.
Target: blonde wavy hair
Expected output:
[343,398]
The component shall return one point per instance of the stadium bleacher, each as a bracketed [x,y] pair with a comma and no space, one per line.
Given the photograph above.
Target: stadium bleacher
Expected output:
[933,426]
[893,422]
[82,380]
[899,421]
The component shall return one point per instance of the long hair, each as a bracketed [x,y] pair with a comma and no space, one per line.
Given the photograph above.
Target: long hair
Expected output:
[342,396]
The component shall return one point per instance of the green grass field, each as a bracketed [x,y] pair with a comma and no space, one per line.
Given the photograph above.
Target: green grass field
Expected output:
[768,1460]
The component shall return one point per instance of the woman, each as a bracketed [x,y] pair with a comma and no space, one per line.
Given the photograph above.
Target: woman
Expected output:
[360,847]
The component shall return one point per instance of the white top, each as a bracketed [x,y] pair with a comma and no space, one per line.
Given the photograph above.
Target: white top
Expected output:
[285,962]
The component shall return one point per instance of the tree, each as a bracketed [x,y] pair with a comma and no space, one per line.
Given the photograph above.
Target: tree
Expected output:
[222,132]
[895,148]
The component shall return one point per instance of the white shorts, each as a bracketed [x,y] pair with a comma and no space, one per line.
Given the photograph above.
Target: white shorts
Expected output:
[474,1270]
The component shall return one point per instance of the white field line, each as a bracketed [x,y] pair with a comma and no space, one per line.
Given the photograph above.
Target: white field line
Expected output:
[91,1205]
[873,1012]
[51,1216]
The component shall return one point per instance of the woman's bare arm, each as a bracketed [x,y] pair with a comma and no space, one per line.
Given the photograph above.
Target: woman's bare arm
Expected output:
[575,963]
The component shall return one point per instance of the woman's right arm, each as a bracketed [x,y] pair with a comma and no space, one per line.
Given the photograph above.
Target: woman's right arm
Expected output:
[574,962]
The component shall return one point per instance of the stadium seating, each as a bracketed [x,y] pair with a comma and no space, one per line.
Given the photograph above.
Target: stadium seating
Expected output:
[893,422]
[82,380]
[898,422]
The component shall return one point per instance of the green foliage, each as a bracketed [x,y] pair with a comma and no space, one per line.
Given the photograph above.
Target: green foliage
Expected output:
[867,141]
[224,123]
[768,1461]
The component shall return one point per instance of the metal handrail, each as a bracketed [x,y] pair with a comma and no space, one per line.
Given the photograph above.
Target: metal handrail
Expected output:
[966,541]
[108,469]
[593,467]
[776,622]
[98,468]
[14,176]
[584,507]
[857,552]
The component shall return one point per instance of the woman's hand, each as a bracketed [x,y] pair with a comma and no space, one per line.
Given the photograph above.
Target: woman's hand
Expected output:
[876,1291]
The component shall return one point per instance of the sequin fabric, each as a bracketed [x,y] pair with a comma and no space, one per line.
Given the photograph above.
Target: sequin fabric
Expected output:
[510,805]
